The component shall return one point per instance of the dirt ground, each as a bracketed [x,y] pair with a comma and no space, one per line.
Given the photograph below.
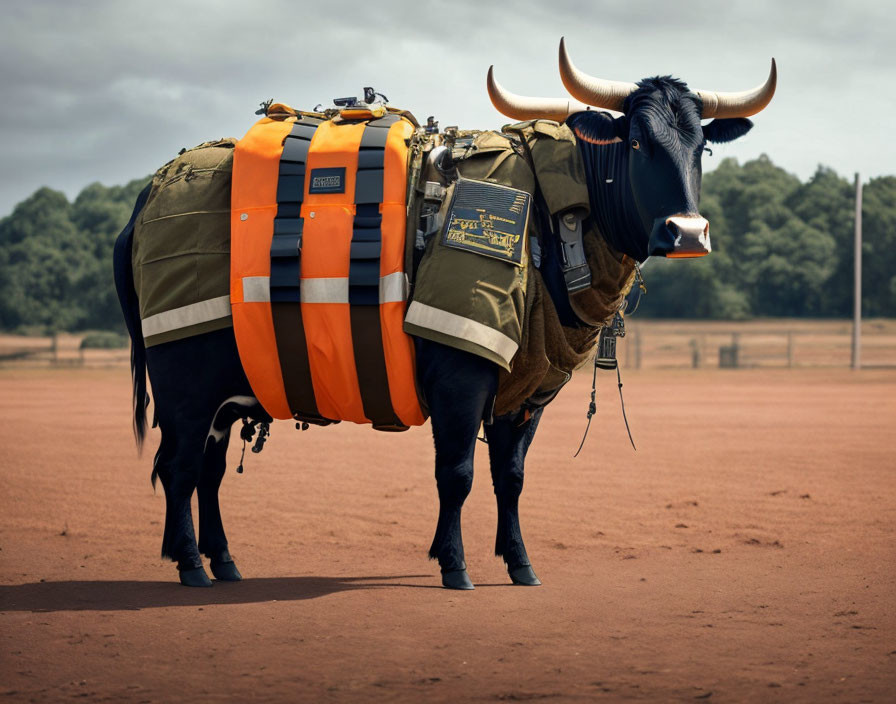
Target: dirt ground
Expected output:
[745,552]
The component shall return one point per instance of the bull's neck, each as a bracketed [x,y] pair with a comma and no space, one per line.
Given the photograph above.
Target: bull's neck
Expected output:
[613,207]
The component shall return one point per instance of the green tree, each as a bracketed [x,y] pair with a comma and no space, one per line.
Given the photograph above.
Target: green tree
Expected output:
[43,256]
[56,259]
[879,247]
[827,204]
[100,213]
[775,251]
[787,267]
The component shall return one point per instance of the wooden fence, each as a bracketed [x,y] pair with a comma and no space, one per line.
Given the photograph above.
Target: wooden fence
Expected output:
[62,350]
[648,344]
[775,343]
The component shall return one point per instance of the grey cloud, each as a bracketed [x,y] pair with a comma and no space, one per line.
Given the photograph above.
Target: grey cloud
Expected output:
[110,90]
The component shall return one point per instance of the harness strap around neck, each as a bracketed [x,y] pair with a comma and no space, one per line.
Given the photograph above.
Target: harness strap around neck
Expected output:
[555,281]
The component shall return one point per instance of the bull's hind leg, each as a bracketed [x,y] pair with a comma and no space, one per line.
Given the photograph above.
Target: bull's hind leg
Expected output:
[178,467]
[212,539]
[458,387]
[508,442]
[192,379]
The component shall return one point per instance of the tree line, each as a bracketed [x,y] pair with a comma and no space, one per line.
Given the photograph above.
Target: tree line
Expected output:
[781,247]
[56,260]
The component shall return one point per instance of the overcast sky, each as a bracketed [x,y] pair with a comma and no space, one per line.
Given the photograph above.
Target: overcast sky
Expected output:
[108,91]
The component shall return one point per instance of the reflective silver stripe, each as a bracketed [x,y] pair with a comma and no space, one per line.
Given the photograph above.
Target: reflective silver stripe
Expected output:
[393,287]
[256,289]
[447,323]
[193,314]
[333,290]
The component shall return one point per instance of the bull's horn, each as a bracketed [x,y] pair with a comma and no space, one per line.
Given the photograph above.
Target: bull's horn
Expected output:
[743,104]
[609,95]
[520,107]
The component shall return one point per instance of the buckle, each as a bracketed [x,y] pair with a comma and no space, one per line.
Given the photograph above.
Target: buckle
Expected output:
[576,272]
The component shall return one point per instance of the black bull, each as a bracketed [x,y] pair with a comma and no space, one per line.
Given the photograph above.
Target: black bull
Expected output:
[643,171]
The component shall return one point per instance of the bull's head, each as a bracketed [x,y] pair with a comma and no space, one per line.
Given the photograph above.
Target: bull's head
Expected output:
[644,165]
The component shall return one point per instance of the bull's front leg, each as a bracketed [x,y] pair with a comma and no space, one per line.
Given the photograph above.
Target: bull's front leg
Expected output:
[458,387]
[509,438]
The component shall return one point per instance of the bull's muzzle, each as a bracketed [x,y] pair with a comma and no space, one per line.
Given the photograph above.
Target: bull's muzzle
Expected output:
[680,236]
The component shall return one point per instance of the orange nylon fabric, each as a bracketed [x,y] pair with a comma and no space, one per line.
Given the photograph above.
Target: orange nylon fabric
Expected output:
[253,206]
[326,243]
[398,347]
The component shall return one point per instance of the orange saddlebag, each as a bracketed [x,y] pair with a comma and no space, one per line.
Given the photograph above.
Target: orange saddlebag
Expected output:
[317,281]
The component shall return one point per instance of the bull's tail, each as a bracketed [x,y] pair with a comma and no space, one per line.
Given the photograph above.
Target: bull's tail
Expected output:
[127,297]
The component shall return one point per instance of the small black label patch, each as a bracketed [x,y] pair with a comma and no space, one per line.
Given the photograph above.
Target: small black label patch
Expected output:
[330,180]
[489,219]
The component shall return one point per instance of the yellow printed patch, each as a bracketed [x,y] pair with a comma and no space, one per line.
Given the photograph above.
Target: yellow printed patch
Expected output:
[488,219]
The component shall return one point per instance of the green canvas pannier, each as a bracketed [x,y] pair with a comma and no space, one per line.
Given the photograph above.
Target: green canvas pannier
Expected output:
[181,252]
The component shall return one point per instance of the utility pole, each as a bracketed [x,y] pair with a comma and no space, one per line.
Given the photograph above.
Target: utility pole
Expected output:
[857,289]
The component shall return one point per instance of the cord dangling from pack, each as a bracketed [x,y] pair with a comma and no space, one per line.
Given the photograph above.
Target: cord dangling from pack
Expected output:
[642,291]
[605,358]
[622,402]
[592,407]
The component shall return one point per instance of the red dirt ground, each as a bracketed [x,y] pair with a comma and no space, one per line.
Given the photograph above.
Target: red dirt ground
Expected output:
[745,552]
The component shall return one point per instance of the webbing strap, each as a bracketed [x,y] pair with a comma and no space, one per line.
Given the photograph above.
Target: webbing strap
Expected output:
[286,254]
[364,277]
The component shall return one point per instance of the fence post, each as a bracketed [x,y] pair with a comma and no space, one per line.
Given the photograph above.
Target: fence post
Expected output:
[857,281]
[729,354]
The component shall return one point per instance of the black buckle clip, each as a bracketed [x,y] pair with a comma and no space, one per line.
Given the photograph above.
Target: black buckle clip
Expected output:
[576,272]
[606,343]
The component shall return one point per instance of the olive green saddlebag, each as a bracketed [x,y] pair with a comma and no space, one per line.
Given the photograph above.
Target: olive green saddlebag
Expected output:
[181,251]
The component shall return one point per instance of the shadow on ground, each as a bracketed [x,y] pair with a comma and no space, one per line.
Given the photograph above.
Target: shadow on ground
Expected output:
[134,595]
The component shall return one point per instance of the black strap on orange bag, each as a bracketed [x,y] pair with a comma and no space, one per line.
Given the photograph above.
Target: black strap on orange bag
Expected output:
[286,267]
[364,277]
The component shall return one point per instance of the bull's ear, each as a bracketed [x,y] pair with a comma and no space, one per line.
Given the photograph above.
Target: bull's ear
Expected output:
[598,127]
[727,129]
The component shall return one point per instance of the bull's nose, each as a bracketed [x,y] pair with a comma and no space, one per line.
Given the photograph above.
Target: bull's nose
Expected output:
[679,236]
[690,226]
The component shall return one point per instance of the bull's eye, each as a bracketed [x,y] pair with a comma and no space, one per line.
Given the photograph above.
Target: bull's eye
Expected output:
[636,144]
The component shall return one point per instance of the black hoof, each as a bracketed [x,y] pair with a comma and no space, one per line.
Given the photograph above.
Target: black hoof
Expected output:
[456,579]
[226,571]
[524,575]
[195,578]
